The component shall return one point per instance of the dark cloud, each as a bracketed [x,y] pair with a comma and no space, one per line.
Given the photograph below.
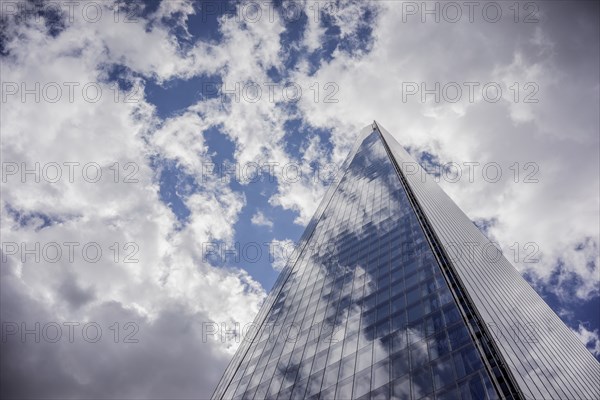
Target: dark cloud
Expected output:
[75,295]
[169,359]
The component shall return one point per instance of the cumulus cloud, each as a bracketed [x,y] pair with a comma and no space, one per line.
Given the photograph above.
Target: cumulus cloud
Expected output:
[302,189]
[126,260]
[281,251]
[547,149]
[589,338]
[261,219]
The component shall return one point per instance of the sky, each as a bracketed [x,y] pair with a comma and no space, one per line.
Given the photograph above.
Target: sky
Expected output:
[161,158]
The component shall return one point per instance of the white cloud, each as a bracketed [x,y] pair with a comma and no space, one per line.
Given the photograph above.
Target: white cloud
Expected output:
[558,133]
[303,188]
[591,339]
[281,251]
[260,219]
[168,289]
[181,138]
[313,34]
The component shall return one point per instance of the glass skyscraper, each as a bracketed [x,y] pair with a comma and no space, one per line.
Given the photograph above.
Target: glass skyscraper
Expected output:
[394,293]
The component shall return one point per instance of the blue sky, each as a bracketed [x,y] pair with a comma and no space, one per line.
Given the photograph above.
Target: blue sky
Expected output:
[303,78]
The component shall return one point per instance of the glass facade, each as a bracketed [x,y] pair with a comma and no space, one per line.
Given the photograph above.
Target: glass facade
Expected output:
[537,355]
[371,307]
[365,312]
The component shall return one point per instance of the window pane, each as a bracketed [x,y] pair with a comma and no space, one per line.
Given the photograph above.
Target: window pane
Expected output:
[400,364]
[362,383]
[364,359]
[381,374]
[443,373]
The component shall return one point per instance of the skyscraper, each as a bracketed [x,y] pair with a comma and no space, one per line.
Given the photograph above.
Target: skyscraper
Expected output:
[394,293]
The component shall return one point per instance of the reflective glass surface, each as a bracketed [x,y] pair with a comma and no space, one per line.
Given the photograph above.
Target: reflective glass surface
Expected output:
[545,359]
[365,312]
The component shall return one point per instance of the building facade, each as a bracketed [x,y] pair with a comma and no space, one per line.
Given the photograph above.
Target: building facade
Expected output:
[393,293]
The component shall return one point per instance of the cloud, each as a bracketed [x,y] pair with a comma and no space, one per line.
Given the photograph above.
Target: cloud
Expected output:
[589,338]
[161,357]
[303,187]
[260,219]
[551,143]
[109,250]
[281,251]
